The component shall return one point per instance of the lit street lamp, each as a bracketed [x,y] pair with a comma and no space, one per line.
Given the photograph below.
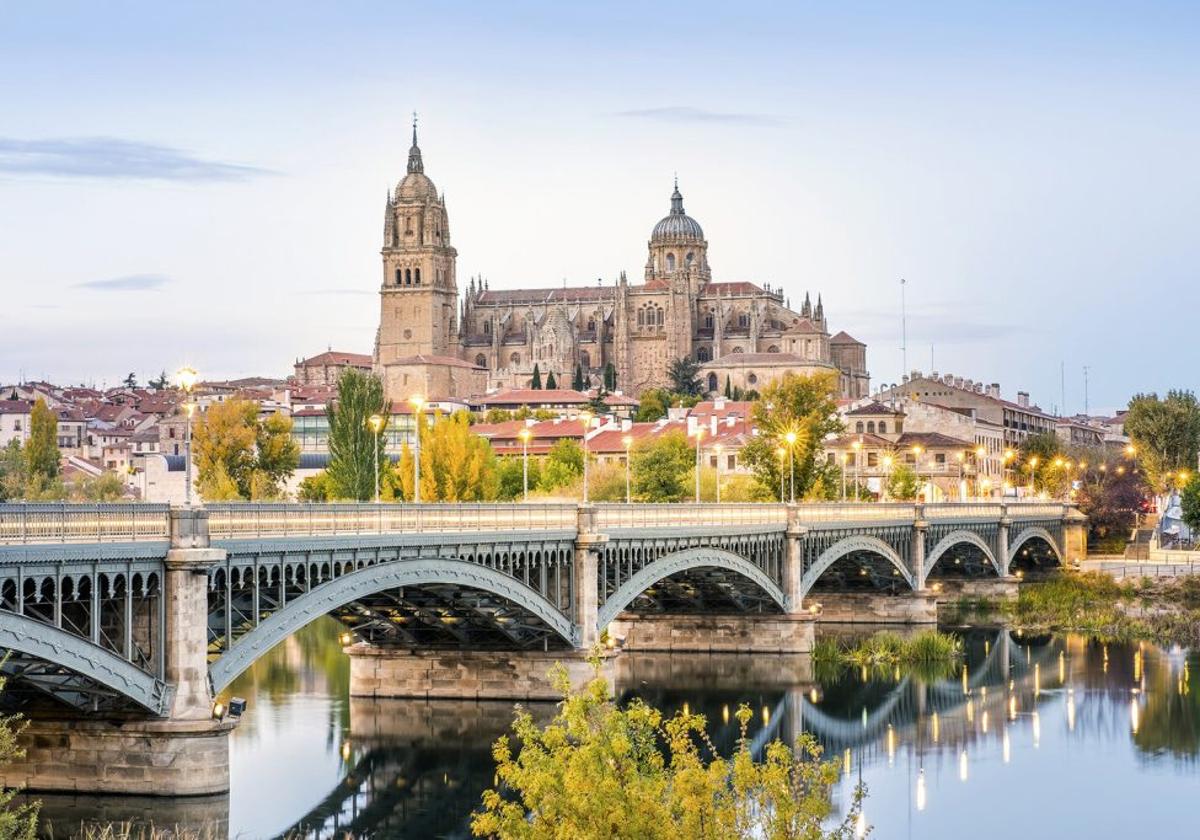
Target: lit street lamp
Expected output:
[699,437]
[780,451]
[375,421]
[887,475]
[790,437]
[856,446]
[717,449]
[1033,462]
[186,378]
[586,418]
[418,403]
[627,441]
[917,450]
[524,435]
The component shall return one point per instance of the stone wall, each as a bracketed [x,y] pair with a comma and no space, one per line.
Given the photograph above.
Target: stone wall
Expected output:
[700,671]
[869,608]
[719,633]
[993,588]
[481,675]
[162,758]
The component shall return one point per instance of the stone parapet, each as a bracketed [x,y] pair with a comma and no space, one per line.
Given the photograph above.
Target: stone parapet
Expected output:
[480,675]
[157,758]
[743,633]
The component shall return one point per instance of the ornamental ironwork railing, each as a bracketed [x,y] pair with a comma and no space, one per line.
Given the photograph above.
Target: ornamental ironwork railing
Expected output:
[67,522]
[688,515]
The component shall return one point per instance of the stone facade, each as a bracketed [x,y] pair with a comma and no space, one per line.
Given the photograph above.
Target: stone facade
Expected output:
[750,633]
[739,332]
[873,608]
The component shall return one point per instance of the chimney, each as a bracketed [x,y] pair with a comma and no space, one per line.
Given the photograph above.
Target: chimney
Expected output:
[1023,399]
[719,404]
[969,384]
[993,390]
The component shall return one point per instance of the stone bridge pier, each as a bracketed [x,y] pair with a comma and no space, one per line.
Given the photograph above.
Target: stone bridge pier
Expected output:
[183,752]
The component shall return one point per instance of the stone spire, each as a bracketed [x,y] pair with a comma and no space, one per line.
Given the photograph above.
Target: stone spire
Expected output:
[806,309]
[820,313]
[677,200]
[415,164]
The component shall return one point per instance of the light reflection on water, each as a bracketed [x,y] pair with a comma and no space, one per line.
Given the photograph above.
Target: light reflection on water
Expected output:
[1034,737]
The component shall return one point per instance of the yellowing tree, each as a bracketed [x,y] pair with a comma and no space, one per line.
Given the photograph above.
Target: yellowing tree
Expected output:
[240,457]
[456,466]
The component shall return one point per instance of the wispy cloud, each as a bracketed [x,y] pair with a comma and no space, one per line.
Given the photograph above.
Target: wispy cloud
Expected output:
[686,114]
[113,158]
[128,283]
[342,292]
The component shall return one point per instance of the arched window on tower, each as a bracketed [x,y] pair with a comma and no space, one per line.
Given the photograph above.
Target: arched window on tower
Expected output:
[585,360]
[743,320]
[398,277]
[708,320]
[416,277]
[591,325]
[487,327]
[641,318]
[481,361]
[658,316]
[688,259]
[703,355]
[670,262]
[408,277]
[712,382]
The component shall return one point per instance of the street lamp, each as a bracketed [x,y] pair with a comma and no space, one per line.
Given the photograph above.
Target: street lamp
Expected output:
[917,450]
[586,418]
[186,378]
[790,437]
[1033,462]
[418,403]
[780,452]
[856,446]
[962,489]
[376,423]
[718,449]
[524,435]
[627,441]
[980,461]
[699,437]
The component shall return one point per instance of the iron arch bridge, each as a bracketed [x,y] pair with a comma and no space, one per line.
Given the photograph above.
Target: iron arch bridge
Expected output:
[89,594]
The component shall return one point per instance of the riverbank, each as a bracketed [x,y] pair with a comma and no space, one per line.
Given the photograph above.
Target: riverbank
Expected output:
[1166,611]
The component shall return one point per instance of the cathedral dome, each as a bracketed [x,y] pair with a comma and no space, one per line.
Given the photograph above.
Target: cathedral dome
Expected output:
[677,224]
[416,185]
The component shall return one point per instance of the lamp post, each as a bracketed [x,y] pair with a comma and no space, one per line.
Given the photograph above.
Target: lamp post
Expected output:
[857,447]
[375,421]
[699,437]
[418,403]
[1009,456]
[718,449]
[627,441]
[980,459]
[961,457]
[1033,462]
[780,451]
[917,450]
[790,437]
[524,435]
[586,418]
[845,459]
[186,378]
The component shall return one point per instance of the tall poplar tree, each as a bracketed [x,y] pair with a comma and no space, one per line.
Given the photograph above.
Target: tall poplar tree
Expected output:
[536,382]
[354,447]
[41,450]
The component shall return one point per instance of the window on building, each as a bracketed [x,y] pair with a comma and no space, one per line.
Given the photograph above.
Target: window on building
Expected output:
[688,259]
[515,359]
[397,277]
[670,262]
[872,459]
[487,327]
[743,320]
[591,325]
[641,317]
[417,277]
[731,462]
[481,361]
[882,427]
[773,349]
[712,461]
[940,459]
[703,355]
[752,378]
[408,277]
[871,426]
[736,350]
[708,320]
[858,427]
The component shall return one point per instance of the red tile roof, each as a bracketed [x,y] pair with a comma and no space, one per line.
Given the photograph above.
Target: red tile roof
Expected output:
[568,294]
[534,396]
[844,337]
[339,357]
[15,407]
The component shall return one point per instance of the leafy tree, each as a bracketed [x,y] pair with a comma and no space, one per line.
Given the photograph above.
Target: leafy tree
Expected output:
[903,485]
[17,822]
[728,387]
[577,382]
[1190,501]
[497,415]
[1165,434]
[512,476]
[106,487]
[652,405]
[239,456]
[661,467]
[684,376]
[131,381]
[1111,498]
[602,769]
[41,450]
[805,407]
[1048,477]
[161,382]
[354,447]
[610,377]
[456,465]
[551,382]
[314,488]
[563,466]
[12,472]
[536,382]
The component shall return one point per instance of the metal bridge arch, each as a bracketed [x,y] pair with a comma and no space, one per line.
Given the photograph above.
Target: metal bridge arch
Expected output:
[1026,535]
[681,561]
[80,656]
[341,591]
[859,542]
[957,538]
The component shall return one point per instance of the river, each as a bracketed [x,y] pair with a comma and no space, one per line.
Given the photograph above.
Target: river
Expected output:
[1040,737]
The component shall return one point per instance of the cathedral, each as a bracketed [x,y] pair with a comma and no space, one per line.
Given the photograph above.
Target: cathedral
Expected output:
[431,342]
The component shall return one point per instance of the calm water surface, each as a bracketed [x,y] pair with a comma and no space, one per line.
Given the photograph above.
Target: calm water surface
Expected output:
[1044,737]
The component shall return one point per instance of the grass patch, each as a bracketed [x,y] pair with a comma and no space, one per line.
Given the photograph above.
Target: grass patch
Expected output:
[888,649]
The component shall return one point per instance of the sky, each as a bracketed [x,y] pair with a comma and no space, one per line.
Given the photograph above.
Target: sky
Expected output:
[204,183]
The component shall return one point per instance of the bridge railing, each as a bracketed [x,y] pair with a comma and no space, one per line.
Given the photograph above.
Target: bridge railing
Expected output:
[65,522]
[1037,510]
[234,520]
[688,515]
[963,510]
[812,513]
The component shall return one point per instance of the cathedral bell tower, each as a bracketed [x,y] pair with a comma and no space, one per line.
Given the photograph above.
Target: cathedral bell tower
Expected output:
[418,299]
[678,248]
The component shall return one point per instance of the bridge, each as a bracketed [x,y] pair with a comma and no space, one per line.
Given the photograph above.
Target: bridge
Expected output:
[143,613]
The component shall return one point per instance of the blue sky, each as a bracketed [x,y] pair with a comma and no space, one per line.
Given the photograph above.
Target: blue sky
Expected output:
[204,182]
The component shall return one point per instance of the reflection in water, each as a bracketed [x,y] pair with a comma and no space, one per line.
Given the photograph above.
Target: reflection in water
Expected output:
[1045,734]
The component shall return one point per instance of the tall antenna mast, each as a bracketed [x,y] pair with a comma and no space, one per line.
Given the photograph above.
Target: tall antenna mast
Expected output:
[903,329]
[1086,407]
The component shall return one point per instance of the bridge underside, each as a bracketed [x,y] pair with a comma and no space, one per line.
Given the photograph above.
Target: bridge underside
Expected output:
[963,560]
[861,571]
[702,590]
[1034,555]
[38,685]
[446,616]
